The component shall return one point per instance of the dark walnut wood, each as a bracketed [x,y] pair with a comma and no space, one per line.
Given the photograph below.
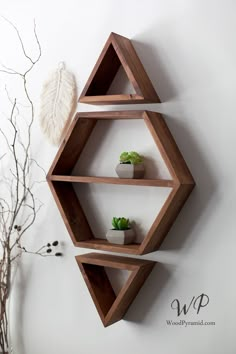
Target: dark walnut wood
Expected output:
[60,181]
[118,51]
[115,180]
[112,308]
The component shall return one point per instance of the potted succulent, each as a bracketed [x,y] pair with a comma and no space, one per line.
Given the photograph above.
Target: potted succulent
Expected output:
[122,233]
[130,166]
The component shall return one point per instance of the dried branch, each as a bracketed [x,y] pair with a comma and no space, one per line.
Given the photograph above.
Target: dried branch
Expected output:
[18,205]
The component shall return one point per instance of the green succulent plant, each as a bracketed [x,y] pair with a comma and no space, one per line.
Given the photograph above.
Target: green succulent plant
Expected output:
[131,157]
[120,223]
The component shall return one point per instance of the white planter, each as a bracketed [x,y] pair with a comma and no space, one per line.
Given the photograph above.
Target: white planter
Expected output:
[120,237]
[126,170]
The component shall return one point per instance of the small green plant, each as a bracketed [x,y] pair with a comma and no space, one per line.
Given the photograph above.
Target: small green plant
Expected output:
[120,223]
[131,157]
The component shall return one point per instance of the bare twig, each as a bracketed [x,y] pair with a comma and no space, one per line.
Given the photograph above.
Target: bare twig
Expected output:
[18,205]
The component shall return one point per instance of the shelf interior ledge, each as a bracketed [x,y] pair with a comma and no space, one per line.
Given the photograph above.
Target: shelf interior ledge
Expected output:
[114,180]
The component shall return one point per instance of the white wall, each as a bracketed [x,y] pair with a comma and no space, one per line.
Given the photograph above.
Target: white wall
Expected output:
[189,50]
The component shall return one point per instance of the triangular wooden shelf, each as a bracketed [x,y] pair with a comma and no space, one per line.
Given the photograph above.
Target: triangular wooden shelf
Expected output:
[112,308]
[118,51]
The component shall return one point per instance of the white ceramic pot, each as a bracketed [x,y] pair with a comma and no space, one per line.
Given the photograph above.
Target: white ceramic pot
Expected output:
[127,170]
[120,237]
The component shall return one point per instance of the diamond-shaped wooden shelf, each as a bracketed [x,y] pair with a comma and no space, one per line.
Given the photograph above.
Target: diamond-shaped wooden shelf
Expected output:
[112,308]
[118,51]
[61,181]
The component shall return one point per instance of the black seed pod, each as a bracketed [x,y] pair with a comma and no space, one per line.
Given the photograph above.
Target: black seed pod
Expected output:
[55,243]
[58,254]
[49,250]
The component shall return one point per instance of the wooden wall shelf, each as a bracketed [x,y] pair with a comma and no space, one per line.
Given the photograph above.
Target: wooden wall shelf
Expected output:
[60,181]
[112,308]
[118,51]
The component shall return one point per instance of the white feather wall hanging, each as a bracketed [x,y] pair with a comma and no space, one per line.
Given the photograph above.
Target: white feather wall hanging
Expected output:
[58,104]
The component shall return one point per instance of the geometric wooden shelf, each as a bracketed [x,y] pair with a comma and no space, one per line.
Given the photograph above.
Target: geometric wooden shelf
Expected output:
[118,51]
[112,308]
[61,181]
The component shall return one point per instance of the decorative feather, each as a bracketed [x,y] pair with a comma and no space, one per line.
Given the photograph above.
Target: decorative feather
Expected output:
[58,104]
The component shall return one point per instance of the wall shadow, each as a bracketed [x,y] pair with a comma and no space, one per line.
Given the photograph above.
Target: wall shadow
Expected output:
[20,288]
[199,200]
[148,295]
[156,70]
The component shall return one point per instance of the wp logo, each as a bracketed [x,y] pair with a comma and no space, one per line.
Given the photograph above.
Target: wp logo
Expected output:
[196,304]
